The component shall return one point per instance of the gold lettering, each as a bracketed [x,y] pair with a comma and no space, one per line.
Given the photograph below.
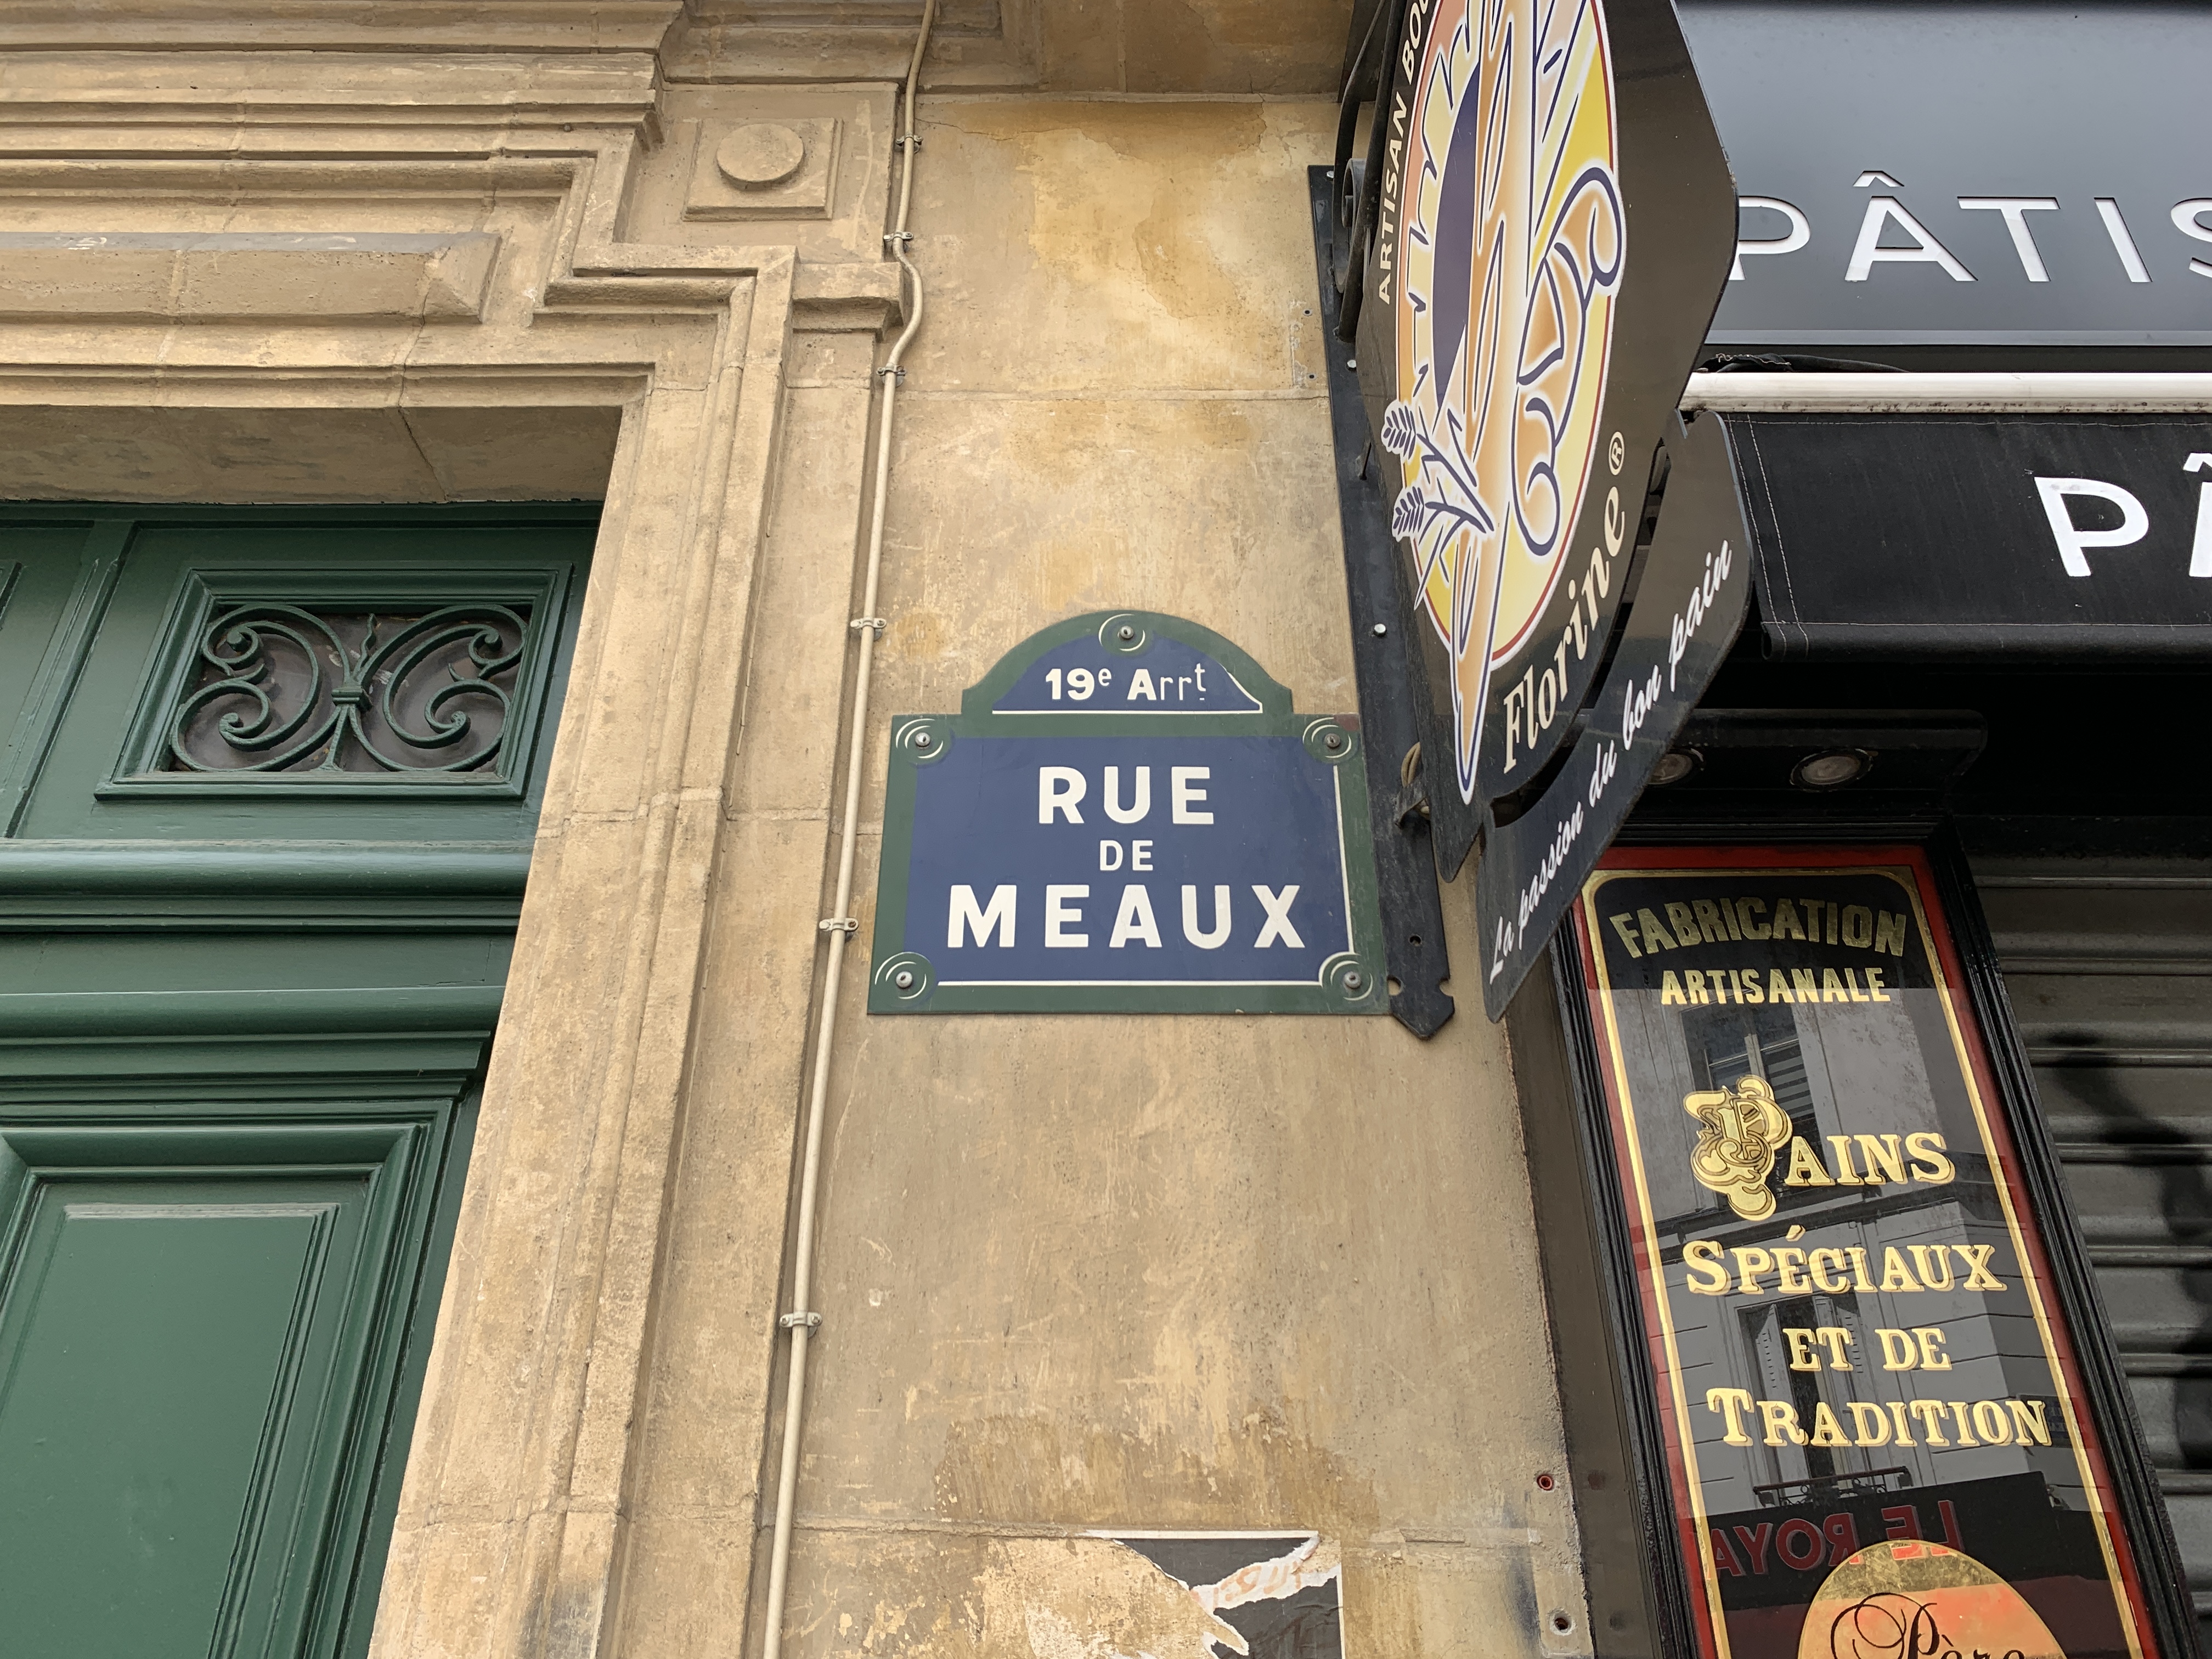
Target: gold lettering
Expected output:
[1941,1253]
[1899,1352]
[1702,1256]
[1819,1264]
[1927,1148]
[1748,990]
[1964,1418]
[1806,986]
[1861,1411]
[1977,1258]
[1827,1431]
[1781,1419]
[1709,921]
[2027,1422]
[1884,1159]
[1874,985]
[1836,1339]
[1858,925]
[1897,1416]
[1684,922]
[1731,1404]
[1696,984]
[1624,925]
[1930,1339]
[1851,984]
[1806,1169]
[1750,1263]
[1895,1275]
[1670,990]
[1992,1422]
[1802,1357]
[1930,1413]
[1832,988]
[1778,988]
[1789,1267]
[1758,930]
[1859,1280]
[1846,1174]
[1786,924]
[1656,938]
[1889,934]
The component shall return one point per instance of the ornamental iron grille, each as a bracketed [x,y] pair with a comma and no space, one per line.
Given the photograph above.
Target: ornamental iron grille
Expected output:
[286,689]
[348,680]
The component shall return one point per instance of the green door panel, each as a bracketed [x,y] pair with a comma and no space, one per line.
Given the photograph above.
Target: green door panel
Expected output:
[54,584]
[366,674]
[269,782]
[46,963]
[197,1351]
[131,1429]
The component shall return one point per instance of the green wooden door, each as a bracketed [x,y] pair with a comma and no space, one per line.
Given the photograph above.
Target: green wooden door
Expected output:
[266,792]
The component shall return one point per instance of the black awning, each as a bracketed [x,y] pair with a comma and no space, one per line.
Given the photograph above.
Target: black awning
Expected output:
[1945,537]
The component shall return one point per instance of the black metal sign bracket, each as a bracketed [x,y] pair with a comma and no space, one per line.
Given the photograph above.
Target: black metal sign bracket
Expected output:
[1390,674]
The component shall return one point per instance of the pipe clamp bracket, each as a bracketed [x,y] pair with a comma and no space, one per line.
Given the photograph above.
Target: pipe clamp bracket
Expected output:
[792,1321]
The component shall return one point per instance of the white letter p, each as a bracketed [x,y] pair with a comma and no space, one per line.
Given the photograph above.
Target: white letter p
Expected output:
[2135,523]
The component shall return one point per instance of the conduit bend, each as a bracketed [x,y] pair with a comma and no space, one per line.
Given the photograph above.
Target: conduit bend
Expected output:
[802,1320]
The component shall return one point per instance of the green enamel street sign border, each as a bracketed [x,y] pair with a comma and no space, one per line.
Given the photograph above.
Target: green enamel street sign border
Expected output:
[1351,981]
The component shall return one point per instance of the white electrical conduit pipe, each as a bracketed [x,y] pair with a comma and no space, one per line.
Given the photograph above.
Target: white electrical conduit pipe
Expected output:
[841,926]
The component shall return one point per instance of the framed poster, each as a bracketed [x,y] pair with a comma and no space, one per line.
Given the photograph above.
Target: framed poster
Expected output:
[1878,1439]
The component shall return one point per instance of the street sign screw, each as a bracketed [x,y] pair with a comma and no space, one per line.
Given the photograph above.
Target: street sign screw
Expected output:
[1334,740]
[1381,628]
[1127,632]
[1353,981]
[903,979]
[922,739]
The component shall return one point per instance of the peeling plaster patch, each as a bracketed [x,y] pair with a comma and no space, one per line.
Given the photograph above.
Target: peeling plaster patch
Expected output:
[1166,1596]
[1092,1598]
[1282,1593]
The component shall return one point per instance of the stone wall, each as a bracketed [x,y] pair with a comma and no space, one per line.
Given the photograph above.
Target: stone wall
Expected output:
[1082,1277]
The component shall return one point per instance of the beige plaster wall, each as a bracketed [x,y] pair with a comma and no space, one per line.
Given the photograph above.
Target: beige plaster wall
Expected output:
[1077,1274]
[1089,1273]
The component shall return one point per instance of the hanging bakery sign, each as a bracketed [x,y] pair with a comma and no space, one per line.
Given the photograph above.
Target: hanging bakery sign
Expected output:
[1539,237]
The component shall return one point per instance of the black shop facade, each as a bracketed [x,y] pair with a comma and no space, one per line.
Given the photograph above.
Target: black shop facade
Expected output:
[1864,1061]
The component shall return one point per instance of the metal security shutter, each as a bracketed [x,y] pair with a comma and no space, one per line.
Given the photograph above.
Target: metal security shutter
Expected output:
[2109,966]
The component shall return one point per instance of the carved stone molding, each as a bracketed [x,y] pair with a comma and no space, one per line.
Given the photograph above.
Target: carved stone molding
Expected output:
[764,170]
[244,274]
[580,25]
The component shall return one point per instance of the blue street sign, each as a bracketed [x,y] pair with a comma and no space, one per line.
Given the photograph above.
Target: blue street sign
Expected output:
[1126,815]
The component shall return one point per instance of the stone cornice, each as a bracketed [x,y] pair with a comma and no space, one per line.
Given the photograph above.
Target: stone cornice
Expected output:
[287,89]
[436,26]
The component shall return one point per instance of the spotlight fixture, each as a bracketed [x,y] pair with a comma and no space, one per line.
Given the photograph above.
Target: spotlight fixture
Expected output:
[1675,765]
[1831,768]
